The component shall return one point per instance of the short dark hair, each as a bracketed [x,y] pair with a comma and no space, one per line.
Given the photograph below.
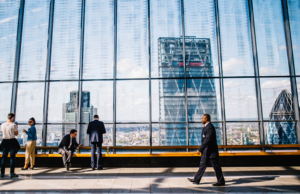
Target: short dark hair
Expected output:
[73,131]
[96,117]
[33,120]
[207,116]
[10,115]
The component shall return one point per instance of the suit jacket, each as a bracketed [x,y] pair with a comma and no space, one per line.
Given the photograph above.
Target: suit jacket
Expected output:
[209,147]
[66,145]
[96,129]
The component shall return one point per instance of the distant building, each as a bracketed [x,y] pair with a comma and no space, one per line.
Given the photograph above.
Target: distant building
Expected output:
[281,129]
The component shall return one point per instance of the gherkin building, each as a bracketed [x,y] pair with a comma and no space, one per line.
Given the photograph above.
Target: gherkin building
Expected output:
[281,129]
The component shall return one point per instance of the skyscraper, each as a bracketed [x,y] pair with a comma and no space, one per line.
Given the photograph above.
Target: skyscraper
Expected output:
[201,93]
[281,129]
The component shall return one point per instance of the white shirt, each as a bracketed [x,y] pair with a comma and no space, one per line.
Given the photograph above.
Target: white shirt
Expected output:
[206,124]
[8,130]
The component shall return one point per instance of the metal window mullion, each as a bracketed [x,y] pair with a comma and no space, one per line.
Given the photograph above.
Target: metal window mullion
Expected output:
[150,94]
[80,70]
[256,72]
[17,58]
[114,73]
[291,66]
[47,73]
[218,33]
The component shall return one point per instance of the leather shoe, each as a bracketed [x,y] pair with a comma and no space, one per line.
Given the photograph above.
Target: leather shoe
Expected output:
[218,184]
[2,175]
[13,175]
[191,180]
[100,168]
[196,183]
[93,169]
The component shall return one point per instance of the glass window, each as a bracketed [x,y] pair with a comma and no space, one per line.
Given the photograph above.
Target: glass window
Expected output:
[203,98]
[132,135]
[294,16]
[97,98]
[107,137]
[283,132]
[201,48]
[34,40]
[5,101]
[132,43]
[133,101]
[9,12]
[168,100]
[277,99]
[270,37]
[166,39]
[98,39]
[195,132]
[22,137]
[169,134]
[63,102]
[240,99]
[237,58]
[55,133]
[242,134]
[30,102]
[66,40]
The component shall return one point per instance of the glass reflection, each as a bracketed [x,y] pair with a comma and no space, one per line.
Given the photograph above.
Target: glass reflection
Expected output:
[132,101]
[55,133]
[132,43]
[98,39]
[195,132]
[132,135]
[201,51]
[34,40]
[30,102]
[63,102]
[22,137]
[166,22]
[5,101]
[280,132]
[240,99]
[237,58]
[169,134]
[9,12]
[270,37]
[107,137]
[66,40]
[242,134]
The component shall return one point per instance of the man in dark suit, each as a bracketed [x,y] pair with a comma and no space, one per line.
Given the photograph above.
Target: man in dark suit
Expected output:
[96,129]
[67,146]
[209,153]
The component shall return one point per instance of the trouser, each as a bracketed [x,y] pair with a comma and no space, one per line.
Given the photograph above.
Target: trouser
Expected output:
[66,159]
[202,167]
[30,153]
[99,154]
[5,152]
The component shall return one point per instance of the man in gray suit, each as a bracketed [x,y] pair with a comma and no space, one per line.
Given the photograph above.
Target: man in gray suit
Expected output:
[96,129]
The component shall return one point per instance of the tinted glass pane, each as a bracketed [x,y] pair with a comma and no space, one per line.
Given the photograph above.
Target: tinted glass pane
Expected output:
[22,137]
[166,41]
[107,137]
[168,100]
[34,40]
[5,101]
[98,39]
[169,134]
[280,132]
[9,12]
[201,51]
[294,16]
[277,99]
[195,132]
[132,135]
[242,134]
[66,39]
[132,34]
[55,133]
[270,37]
[240,99]
[63,102]
[132,101]
[203,98]
[97,98]
[30,102]
[236,46]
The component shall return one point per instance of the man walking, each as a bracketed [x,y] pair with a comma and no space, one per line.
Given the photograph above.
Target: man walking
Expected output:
[209,153]
[96,129]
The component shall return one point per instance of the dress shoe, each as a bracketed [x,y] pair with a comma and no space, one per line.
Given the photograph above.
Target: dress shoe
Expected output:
[67,167]
[218,184]
[93,169]
[191,180]
[2,175]
[13,175]
[31,168]
[24,168]
[100,168]
[196,183]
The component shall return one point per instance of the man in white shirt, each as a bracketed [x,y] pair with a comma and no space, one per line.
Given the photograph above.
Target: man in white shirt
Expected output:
[9,144]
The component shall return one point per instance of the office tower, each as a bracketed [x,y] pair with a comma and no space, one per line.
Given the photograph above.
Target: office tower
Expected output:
[201,93]
[281,129]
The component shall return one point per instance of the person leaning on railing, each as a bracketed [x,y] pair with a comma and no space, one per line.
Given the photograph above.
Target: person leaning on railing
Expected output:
[31,145]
